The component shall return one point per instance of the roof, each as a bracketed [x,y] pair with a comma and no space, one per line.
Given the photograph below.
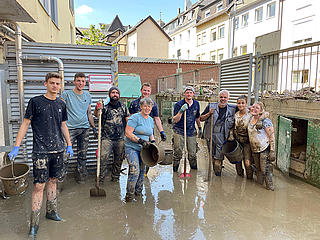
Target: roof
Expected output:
[115,25]
[139,24]
[160,60]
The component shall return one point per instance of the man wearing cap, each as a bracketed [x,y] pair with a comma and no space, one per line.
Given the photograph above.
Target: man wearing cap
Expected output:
[114,118]
[80,119]
[193,116]
[135,107]
[223,122]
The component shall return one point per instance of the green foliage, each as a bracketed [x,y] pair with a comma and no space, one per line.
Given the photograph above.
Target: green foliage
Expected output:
[92,36]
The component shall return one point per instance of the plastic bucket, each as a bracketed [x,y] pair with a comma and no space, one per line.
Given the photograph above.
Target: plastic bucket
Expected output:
[18,184]
[233,151]
[150,155]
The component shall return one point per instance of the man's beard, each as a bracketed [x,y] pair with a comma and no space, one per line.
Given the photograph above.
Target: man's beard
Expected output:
[114,100]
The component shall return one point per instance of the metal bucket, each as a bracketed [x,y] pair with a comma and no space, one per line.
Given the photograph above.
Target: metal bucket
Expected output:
[165,156]
[150,155]
[233,151]
[18,184]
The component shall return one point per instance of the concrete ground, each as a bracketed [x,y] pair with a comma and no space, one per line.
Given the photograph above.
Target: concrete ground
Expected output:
[227,207]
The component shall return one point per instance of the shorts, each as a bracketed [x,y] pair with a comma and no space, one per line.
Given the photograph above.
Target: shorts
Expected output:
[47,165]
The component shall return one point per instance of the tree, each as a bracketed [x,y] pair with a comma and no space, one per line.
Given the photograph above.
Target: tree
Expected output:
[92,36]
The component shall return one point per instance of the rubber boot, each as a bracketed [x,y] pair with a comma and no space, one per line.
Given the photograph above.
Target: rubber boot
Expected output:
[249,169]
[52,210]
[217,167]
[269,183]
[175,167]
[239,169]
[129,197]
[34,224]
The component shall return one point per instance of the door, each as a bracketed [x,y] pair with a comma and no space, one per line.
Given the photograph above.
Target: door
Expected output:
[284,144]
[313,152]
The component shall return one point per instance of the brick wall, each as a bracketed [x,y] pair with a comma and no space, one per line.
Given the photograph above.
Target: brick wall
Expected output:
[150,72]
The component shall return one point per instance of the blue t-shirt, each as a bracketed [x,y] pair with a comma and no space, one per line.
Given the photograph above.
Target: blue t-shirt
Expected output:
[193,112]
[77,107]
[143,128]
[135,108]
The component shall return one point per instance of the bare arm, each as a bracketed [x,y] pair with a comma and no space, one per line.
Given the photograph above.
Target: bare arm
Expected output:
[198,122]
[129,134]
[90,117]
[151,137]
[207,115]
[22,131]
[158,123]
[270,133]
[65,133]
[177,117]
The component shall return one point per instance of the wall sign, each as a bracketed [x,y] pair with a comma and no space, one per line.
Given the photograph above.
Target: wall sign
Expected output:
[100,82]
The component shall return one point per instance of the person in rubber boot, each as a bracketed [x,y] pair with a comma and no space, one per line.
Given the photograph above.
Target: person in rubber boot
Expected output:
[138,134]
[114,119]
[47,115]
[193,116]
[223,123]
[262,142]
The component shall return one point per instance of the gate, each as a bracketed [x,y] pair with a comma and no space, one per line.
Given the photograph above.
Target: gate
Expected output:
[236,76]
[75,58]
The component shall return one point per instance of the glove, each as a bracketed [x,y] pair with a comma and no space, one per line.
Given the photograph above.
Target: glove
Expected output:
[12,155]
[69,151]
[183,108]
[259,124]
[95,133]
[153,141]
[272,156]
[163,136]
[99,106]
[231,137]
[199,132]
[144,143]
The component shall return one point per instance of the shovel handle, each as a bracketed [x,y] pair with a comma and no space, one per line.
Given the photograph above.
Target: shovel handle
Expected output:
[99,142]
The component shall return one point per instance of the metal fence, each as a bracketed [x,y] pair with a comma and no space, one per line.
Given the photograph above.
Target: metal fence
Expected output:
[204,80]
[289,70]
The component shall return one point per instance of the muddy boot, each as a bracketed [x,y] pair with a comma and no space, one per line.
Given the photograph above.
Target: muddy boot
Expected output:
[269,183]
[249,169]
[34,224]
[52,213]
[217,167]
[129,197]
[175,167]
[239,169]
[138,194]
[260,177]
[80,179]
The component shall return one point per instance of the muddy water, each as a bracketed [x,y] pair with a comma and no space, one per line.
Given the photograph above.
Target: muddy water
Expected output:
[227,207]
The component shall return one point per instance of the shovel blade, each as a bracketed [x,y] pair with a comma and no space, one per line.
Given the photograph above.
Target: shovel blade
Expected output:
[97,192]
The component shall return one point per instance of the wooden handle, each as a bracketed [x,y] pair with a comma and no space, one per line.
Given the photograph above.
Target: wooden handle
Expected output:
[99,140]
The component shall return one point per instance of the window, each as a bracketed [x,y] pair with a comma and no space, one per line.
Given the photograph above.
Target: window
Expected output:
[220,55]
[219,7]
[198,57]
[213,56]
[245,18]
[236,22]
[71,34]
[221,31]
[180,38]
[174,41]
[243,50]
[235,52]
[189,34]
[207,13]
[258,15]
[203,38]
[300,76]
[188,54]
[213,35]
[71,6]
[50,7]
[199,40]
[203,55]
[271,10]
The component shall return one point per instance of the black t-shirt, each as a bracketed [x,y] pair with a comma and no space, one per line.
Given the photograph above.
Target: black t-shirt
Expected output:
[222,113]
[46,117]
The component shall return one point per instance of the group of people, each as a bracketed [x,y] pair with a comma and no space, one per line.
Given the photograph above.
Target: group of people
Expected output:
[66,120]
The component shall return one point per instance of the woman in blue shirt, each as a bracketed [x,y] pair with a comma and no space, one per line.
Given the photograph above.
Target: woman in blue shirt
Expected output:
[139,133]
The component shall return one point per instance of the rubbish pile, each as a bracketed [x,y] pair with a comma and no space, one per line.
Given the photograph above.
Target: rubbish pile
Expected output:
[307,93]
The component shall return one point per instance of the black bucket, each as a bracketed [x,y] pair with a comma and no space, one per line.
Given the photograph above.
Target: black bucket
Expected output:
[18,184]
[150,155]
[233,151]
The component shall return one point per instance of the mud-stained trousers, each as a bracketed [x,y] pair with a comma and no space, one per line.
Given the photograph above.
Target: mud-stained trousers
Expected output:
[218,138]
[178,146]
[109,162]
[263,168]
[81,137]
[247,160]
[135,173]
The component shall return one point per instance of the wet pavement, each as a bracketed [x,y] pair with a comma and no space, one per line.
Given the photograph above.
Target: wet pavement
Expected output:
[227,207]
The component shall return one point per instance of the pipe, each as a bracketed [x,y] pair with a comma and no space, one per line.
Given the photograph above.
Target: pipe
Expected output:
[49,59]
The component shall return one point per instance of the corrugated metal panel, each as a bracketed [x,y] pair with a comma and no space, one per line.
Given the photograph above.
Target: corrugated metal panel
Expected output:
[235,76]
[76,58]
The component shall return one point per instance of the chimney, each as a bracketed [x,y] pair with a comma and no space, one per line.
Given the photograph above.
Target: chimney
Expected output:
[178,10]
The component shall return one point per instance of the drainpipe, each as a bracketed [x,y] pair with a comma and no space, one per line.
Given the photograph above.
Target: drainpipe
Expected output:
[45,58]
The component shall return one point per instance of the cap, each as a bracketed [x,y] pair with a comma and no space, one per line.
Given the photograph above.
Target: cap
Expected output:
[188,88]
[114,88]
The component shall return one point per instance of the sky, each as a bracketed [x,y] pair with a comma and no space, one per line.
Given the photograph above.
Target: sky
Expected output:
[130,12]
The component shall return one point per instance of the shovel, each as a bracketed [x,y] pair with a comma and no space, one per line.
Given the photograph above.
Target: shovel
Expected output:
[185,174]
[97,191]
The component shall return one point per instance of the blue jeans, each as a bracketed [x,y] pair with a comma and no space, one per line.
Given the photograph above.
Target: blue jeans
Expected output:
[136,171]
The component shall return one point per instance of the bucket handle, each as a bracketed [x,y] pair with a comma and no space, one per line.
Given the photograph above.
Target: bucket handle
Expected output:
[12,169]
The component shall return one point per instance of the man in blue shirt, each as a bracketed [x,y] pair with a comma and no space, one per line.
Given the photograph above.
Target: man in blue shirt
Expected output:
[193,116]
[135,107]
[80,118]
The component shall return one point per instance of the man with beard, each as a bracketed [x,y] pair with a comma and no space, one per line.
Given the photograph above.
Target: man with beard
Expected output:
[114,118]
[80,119]
[223,122]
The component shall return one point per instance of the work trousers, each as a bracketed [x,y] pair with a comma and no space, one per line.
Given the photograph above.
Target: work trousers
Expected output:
[136,171]
[263,168]
[178,146]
